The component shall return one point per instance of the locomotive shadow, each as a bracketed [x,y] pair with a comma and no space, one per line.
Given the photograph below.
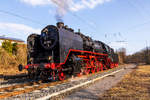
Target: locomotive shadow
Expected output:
[12,79]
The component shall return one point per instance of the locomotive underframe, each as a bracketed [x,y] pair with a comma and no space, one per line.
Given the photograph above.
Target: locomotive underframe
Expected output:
[77,62]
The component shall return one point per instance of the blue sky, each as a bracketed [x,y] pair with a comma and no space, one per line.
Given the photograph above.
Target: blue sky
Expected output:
[109,21]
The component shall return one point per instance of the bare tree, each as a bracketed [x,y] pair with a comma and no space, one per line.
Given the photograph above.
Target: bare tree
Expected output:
[122,55]
[142,56]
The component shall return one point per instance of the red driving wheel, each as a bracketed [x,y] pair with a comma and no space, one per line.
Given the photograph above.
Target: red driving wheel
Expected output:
[87,71]
[97,66]
[53,75]
[87,68]
[61,76]
[101,66]
[93,70]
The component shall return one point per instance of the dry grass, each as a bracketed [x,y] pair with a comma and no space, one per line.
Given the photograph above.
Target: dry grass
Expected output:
[134,86]
[9,63]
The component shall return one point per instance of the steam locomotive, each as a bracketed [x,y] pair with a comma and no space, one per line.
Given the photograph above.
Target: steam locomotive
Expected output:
[59,52]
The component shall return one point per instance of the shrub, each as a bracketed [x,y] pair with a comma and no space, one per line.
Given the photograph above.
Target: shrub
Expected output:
[7,45]
[10,47]
[11,62]
[14,48]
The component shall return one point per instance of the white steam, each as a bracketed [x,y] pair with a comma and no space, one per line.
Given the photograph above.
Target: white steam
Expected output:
[62,7]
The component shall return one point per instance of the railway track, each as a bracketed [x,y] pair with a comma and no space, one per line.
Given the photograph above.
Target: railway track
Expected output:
[9,80]
[44,91]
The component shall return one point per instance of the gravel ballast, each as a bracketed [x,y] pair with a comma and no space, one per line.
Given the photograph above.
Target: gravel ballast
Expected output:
[93,91]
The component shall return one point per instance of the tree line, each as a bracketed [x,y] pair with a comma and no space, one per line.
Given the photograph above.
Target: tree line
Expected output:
[142,56]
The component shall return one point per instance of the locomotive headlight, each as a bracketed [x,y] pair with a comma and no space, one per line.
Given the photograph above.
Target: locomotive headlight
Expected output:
[50,58]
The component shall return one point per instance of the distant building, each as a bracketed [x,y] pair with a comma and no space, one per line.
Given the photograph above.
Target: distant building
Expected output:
[13,40]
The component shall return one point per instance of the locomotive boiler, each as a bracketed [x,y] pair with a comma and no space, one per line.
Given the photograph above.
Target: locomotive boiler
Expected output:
[59,52]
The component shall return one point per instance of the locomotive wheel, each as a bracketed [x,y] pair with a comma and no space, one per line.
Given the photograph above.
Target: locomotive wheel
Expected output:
[31,74]
[44,76]
[87,68]
[105,67]
[93,65]
[93,70]
[116,65]
[101,66]
[111,65]
[97,67]
[76,65]
[87,71]
[80,74]
[53,76]
[61,76]
[108,64]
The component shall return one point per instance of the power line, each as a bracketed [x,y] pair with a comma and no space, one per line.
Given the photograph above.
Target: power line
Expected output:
[135,26]
[138,25]
[136,7]
[142,7]
[21,17]
[37,22]
[84,21]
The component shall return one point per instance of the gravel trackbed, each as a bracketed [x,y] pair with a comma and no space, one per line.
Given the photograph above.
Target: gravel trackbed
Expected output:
[93,91]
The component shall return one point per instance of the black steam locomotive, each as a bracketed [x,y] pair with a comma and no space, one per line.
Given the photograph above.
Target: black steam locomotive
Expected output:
[59,52]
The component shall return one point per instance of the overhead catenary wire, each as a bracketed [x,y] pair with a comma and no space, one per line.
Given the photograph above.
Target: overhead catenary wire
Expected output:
[20,16]
[137,25]
[37,22]
[84,21]
[141,8]
[136,7]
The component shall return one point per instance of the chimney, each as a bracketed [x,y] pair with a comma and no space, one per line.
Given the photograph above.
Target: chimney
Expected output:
[60,24]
